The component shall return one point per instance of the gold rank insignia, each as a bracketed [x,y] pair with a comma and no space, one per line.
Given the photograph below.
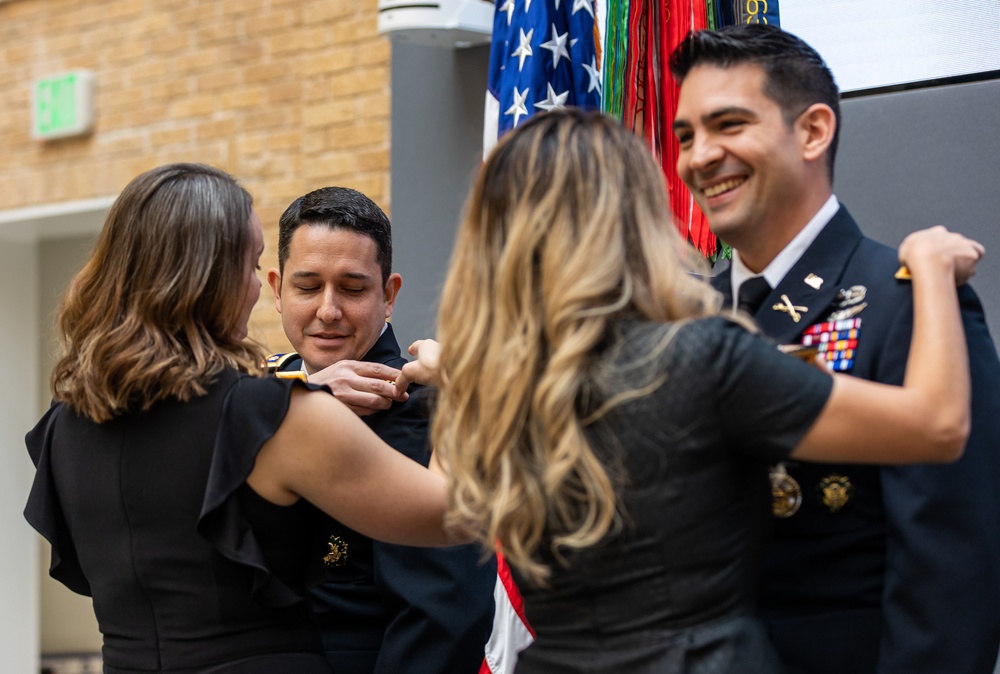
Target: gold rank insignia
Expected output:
[792,310]
[835,491]
[786,495]
[338,552]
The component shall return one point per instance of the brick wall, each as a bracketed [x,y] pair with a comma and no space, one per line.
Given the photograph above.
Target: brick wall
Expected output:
[287,95]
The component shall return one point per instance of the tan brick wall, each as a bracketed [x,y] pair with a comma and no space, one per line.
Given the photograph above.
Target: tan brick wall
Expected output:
[287,95]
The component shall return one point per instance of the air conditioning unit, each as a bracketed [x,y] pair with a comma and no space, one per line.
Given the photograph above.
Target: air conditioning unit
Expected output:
[440,23]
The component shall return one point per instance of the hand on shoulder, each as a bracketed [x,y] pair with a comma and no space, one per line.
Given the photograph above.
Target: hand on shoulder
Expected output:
[936,247]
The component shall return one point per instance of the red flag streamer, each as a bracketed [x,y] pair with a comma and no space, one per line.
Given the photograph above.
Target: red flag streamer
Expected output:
[680,17]
[648,95]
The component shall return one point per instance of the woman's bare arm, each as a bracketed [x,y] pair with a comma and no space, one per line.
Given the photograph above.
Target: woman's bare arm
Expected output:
[325,454]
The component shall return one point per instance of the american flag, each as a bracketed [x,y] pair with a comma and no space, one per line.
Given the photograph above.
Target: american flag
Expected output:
[543,56]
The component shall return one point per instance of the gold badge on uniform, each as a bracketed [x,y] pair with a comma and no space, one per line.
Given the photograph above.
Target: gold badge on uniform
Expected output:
[786,496]
[813,281]
[835,491]
[338,552]
[792,310]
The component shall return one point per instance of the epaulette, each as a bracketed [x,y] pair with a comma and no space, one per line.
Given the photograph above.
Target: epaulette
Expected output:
[276,361]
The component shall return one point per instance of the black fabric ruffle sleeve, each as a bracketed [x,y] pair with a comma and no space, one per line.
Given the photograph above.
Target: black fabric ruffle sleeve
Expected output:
[43,510]
[252,412]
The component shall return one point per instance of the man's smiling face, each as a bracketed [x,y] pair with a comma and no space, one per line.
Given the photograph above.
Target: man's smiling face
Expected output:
[739,155]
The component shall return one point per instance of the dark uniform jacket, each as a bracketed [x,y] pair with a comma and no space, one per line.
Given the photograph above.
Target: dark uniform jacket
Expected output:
[392,609]
[903,577]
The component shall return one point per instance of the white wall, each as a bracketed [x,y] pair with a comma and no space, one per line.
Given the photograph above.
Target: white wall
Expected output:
[18,412]
[40,248]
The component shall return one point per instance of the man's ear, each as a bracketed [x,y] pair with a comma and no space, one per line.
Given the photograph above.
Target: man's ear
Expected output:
[391,291]
[816,127]
[274,280]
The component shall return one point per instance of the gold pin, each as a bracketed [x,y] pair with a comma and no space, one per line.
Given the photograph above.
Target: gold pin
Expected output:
[836,491]
[786,495]
[903,274]
[790,309]
[338,552]
[813,281]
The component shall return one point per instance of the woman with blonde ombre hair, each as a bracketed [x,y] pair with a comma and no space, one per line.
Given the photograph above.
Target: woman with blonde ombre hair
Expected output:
[601,423]
[179,486]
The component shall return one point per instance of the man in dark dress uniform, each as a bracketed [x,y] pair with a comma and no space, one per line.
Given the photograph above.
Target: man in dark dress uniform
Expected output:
[383,608]
[892,570]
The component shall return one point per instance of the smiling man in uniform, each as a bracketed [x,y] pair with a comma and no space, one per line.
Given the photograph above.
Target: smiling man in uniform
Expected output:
[892,570]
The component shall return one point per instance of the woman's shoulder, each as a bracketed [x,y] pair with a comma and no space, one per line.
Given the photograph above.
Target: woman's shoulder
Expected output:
[683,337]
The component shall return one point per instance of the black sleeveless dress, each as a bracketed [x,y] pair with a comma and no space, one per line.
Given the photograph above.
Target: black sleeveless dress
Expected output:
[190,571]
[673,590]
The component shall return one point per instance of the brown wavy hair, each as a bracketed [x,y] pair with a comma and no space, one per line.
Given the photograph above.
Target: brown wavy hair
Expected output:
[153,313]
[567,231]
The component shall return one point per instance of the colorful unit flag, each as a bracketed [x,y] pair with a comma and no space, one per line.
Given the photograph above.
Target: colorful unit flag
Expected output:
[543,56]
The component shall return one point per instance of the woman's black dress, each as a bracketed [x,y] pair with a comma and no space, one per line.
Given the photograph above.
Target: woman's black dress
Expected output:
[190,571]
[673,591]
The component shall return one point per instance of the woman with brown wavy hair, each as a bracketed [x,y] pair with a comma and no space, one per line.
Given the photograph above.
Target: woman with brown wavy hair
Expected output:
[610,431]
[176,484]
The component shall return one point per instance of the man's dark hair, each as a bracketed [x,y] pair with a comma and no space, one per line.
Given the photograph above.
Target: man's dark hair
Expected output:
[338,208]
[795,75]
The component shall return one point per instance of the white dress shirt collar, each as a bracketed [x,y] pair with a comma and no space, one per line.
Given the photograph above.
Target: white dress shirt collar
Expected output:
[789,255]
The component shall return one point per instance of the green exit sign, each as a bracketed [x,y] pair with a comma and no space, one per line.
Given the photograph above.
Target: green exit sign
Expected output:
[63,105]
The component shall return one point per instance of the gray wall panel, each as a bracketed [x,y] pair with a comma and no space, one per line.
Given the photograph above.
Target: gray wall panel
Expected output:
[437,138]
[927,157]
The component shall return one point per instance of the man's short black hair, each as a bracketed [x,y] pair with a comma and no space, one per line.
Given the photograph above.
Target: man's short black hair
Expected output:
[338,208]
[795,75]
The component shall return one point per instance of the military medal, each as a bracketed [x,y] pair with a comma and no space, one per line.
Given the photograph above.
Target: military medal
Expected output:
[835,491]
[786,496]
[338,552]
[836,341]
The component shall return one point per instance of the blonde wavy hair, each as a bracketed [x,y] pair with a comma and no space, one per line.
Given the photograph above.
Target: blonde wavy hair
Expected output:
[567,231]
[153,313]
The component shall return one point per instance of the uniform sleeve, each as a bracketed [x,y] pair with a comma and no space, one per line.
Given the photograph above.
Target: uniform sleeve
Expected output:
[766,400]
[252,412]
[942,585]
[438,602]
[43,510]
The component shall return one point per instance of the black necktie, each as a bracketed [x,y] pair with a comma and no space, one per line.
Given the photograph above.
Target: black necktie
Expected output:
[752,294]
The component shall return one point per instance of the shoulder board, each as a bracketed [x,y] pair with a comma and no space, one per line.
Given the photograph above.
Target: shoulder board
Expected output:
[275,361]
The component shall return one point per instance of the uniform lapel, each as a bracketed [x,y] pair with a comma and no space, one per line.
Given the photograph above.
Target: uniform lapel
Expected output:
[722,283]
[824,259]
